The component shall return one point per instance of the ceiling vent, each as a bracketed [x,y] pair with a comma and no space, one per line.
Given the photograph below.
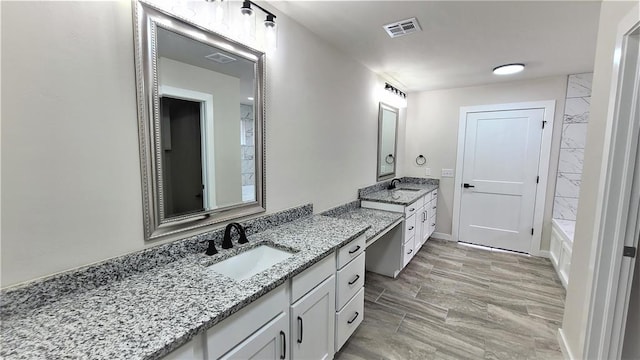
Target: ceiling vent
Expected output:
[402,27]
[220,58]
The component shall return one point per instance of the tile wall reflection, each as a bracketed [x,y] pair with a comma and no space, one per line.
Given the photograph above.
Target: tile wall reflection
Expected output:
[574,135]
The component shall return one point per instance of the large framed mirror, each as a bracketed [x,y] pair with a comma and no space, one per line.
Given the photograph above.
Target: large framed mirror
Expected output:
[201,121]
[387,138]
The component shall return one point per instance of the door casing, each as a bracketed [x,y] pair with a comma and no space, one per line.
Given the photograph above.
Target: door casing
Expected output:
[543,166]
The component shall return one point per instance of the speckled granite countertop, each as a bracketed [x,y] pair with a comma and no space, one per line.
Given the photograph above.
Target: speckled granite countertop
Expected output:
[147,315]
[378,220]
[398,196]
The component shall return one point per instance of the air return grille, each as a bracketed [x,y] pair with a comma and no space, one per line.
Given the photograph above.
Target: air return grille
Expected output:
[220,58]
[402,27]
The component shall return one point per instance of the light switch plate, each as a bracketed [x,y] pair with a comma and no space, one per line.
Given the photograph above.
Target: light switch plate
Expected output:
[427,171]
[447,172]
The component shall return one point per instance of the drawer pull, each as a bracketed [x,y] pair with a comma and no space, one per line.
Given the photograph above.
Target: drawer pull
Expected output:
[434,207]
[411,228]
[354,250]
[410,251]
[284,345]
[301,330]
[354,280]
[412,209]
[354,318]
[434,224]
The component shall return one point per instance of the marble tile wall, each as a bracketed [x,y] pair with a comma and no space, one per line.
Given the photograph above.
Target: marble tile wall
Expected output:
[247,147]
[574,134]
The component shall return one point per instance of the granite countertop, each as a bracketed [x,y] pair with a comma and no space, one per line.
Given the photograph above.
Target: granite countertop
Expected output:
[147,315]
[398,196]
[378,220]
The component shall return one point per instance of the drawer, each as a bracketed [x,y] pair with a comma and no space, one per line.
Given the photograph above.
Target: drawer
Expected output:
[350,280]
[310,278]
[413,208]
[351,251]
[434,194]
[348,319]
[433,205]
[408,250]
[410,227]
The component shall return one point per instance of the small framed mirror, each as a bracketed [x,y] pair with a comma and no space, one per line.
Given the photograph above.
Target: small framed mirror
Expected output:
[201,121]
[387,138]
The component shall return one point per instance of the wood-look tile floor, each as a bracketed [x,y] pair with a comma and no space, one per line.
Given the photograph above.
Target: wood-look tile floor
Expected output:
[457,302]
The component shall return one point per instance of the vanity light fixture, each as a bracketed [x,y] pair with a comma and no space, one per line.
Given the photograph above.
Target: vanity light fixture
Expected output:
[399,98]
[246,9]
[394,90]
[508,69]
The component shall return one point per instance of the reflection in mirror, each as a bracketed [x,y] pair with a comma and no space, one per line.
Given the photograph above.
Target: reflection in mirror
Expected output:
[387,136]
[207,125]
[201,117]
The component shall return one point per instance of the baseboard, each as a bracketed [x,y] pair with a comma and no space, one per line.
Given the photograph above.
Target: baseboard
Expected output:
[442,236]
[566,352]
[544,254]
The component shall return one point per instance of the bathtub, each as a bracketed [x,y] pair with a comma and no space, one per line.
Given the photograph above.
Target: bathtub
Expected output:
[562,232]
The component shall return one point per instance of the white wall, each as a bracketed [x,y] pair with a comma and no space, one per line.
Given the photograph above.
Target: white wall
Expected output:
[432,130]
[71,192]
[578,291]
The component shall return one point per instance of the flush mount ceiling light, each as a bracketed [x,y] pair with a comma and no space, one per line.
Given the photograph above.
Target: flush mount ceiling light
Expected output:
[508,69]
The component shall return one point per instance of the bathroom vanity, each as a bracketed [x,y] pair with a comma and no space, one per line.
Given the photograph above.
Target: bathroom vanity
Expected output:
[173,301]
[418,204]
[310,316]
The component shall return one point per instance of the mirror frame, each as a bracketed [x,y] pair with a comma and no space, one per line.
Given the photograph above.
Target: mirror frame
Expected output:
[147,19]
[390,175]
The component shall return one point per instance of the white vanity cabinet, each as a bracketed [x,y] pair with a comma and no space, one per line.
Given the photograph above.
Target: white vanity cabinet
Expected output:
[349,309]
[309,317]
[260,330]
[269,342]
[312,309]
[193,350]
[419,225]
[428,216]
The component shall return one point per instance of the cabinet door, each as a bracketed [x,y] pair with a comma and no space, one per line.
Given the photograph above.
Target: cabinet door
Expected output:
[313,323]
[193,350]
[426,224]
[269,342]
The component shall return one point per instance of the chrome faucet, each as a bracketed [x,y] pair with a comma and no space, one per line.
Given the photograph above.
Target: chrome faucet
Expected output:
[393,185]
[226,241]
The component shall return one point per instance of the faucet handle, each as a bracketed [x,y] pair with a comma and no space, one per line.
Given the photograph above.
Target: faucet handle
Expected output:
[211,250]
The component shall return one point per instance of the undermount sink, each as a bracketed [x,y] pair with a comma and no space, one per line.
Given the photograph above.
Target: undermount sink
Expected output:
[250,262]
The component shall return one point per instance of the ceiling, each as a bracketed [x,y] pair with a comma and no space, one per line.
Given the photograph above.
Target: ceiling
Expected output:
[461,41]
[180,48]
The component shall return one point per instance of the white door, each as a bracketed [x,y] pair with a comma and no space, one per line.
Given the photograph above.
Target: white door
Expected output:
[313,323]
[499,177]
[268,343]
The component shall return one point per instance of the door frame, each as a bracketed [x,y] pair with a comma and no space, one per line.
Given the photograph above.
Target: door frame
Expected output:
[543,165]
[613,273]
[207,144]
